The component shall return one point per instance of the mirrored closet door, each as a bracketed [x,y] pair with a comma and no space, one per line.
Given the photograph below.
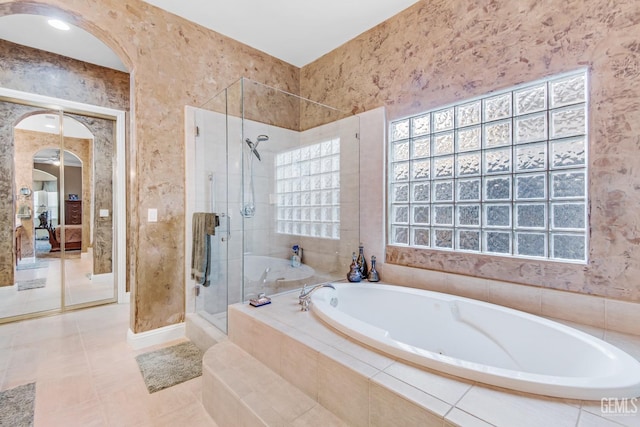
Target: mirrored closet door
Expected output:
[56,222]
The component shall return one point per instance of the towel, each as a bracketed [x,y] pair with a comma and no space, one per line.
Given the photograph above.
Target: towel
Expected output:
[204,225]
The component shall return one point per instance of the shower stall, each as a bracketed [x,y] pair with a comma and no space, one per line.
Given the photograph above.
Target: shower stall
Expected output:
[282,175]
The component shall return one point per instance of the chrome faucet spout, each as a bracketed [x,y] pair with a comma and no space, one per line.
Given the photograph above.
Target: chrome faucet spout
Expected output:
[305,294]
[263,277]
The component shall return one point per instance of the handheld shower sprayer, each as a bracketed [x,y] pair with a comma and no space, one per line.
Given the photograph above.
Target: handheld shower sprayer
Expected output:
[249,208]
[254,145]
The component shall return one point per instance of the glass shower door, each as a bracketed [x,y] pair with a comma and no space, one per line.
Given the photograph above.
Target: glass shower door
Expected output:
[211,174]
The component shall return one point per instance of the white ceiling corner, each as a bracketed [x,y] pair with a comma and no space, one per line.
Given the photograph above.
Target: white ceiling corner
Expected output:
[297,32]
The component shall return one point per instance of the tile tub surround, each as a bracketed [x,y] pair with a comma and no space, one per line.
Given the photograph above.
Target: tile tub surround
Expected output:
[604,313]
[364,387]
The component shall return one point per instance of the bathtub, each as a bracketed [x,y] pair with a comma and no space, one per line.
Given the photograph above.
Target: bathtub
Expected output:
[479,341]
[280,277]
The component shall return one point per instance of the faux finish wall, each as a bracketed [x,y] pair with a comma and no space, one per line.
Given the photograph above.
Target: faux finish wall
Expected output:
[441,51]
[173,63]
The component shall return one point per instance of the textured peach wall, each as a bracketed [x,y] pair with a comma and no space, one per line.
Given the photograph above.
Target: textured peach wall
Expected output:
[173,63]
[438,52]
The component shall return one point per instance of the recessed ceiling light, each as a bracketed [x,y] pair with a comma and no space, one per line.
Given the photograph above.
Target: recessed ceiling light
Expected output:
[60,25]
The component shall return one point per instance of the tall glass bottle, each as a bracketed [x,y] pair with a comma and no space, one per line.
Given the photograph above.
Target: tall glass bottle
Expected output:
[362,262]
[373,273]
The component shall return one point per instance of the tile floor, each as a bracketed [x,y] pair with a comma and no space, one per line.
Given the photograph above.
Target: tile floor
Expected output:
[86,373]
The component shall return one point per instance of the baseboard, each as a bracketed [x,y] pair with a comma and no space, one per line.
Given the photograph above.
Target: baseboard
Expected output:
[155,336]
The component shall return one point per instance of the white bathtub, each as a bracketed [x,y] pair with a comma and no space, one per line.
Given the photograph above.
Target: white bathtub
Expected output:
[281,275]
[480,341]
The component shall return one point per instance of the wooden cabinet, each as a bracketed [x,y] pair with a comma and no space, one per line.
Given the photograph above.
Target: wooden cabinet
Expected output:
[73,212]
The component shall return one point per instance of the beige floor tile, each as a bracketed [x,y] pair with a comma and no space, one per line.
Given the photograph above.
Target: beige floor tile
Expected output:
[86,373]
[55,395]
[191,415]
[85,414]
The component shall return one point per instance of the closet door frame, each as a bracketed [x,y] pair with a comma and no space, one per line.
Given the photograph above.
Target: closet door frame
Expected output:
[119,175]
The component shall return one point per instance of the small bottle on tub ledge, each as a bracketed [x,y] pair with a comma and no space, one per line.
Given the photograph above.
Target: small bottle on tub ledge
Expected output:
[362,262]
[296,257]
[373,273]
[354,274]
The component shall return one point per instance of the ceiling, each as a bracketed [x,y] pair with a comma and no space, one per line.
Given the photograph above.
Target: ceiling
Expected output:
[295,31]
[75,43]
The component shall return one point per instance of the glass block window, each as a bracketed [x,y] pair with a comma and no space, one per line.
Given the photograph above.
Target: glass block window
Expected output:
[308,190]
[503,174]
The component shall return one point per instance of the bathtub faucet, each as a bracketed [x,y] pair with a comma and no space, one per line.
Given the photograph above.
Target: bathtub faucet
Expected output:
[305,294]
[263,278]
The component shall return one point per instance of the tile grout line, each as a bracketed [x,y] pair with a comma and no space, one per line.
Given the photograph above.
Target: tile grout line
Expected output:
[91,369]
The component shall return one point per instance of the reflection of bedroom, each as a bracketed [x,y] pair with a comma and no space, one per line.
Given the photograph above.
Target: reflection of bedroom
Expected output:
[60,208]
[37,166]
[46,206]
[45,201]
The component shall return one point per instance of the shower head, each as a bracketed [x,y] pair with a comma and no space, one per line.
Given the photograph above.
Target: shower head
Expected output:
[253,146]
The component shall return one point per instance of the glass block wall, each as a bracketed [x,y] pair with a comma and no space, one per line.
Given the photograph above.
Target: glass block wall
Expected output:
[308,190]
[503,174]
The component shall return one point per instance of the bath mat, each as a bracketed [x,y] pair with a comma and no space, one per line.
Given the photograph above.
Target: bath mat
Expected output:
[43,246]
[170,366]
[31,284]
[31,265]
[17,406]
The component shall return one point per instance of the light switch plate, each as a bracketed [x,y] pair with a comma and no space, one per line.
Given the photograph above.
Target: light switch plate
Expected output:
[152,215]
[104,213]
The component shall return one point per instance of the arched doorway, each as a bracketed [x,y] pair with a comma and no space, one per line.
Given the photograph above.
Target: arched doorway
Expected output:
[88,273]
[104,218]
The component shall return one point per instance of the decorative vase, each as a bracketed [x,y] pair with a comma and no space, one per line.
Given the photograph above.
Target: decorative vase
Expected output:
[373,273]
[354,274]
[362,262]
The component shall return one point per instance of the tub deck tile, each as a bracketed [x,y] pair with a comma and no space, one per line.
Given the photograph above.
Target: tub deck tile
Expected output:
[502,407]
[352,366]
[458,418]
[417,397]
[442,386]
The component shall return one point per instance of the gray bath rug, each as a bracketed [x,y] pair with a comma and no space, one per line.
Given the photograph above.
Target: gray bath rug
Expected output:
[43,246]
[31,265]
[31,284]
[17,406]
[170,366]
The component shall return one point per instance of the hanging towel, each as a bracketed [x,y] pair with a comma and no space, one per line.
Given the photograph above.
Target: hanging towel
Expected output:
[204,225]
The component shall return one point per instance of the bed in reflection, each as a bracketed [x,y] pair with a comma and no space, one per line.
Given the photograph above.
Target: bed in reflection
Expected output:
[72,237]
